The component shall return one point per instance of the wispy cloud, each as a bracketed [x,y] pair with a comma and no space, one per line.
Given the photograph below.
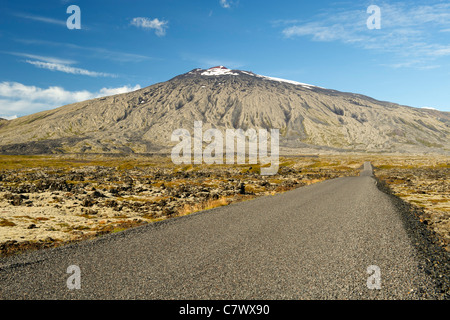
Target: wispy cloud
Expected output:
[407,30]
[40,58]
[225,3]
[159,26]
[102,53]
[42,19]
[68,69]
[319,32]
[17,98]
[416,64]
[284,22]
[58,64]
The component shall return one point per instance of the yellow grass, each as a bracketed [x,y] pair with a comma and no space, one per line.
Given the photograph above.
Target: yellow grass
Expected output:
[206,205]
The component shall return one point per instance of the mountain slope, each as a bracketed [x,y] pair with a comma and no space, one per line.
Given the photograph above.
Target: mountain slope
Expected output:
[307,116]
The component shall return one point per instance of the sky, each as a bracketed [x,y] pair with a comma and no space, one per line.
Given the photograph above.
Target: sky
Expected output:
[57,52]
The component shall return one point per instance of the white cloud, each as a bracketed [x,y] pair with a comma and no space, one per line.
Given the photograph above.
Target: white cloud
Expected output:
[42,19]
[420,64]
[17,98]
[225,3]
[41,58]
[95,52]
[116,55]
[317,31]
[159,26]
[58,64]
[112,91]
[9,117]
[407,31]
[68,69]
[440,51]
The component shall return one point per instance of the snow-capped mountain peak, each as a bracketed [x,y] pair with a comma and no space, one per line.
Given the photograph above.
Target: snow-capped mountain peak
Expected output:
[218,71]
[221,71]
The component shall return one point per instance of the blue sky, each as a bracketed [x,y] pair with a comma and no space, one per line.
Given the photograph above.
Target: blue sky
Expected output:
[126,45]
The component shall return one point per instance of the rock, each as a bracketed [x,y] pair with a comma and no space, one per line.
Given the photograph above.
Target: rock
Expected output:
[264,183]
[97,194]
[16,199]
[88,202]
[28,203]
[110,203]
[91,212]
[168,211]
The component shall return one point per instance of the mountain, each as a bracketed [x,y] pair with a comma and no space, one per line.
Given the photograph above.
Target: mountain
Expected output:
[309,118]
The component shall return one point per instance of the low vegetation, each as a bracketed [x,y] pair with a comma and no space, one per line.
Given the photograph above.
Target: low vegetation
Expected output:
[48,201]
[424,183]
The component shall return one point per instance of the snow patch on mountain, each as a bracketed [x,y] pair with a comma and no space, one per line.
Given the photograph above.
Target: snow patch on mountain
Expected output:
[219,71]
[305,85]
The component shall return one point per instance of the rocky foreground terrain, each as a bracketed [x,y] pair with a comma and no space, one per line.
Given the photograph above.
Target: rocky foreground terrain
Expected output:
[424,183]
[52,200]
[48,201]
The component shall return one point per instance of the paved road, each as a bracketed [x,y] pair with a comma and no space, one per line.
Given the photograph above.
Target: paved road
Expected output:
[315,242]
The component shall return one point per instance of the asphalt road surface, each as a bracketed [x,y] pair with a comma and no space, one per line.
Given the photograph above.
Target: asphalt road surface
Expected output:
[338,239]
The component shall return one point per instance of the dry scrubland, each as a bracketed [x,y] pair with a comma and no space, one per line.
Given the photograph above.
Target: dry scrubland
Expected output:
[49,201]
